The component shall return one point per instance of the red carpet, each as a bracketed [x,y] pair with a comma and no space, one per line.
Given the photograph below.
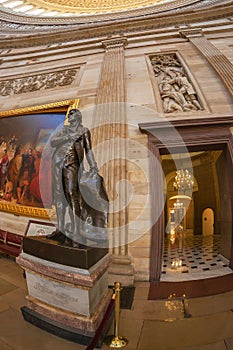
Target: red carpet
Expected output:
[192,289]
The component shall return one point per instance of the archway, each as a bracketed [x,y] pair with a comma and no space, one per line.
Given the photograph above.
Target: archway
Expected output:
[208,222]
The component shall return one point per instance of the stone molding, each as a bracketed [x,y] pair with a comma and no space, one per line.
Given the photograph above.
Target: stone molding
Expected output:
[11,16]
[28,26]
[62,273]
[191,33]
[102,29]
[114,42]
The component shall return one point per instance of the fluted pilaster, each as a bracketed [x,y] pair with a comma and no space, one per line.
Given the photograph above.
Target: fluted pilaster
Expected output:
[218,61]
[111,129]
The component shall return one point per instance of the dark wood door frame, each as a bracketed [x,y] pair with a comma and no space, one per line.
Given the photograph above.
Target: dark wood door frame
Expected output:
[171,137]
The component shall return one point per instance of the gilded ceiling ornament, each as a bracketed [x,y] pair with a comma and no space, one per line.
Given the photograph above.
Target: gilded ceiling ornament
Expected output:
[93,6]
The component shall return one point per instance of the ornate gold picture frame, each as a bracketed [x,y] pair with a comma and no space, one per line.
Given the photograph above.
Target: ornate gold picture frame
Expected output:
[23,135]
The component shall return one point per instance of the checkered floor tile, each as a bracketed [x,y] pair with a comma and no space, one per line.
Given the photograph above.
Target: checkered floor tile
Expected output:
[192,253]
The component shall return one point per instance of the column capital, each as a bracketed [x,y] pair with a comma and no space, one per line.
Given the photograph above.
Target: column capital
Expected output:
[191,33]
[115,42]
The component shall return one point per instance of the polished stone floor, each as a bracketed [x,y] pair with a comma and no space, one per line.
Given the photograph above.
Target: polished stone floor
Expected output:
[149,325]
[193,257]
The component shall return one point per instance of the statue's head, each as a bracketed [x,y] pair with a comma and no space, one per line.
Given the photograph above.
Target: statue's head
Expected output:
[75,116]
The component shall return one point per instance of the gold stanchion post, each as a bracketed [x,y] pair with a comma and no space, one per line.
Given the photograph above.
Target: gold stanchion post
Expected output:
[116,341]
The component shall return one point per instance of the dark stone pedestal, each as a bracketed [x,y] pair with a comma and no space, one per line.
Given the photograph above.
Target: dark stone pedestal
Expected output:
[43,248]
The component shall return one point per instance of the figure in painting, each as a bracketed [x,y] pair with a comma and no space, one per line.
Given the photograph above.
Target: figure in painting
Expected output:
[3,169]
[7,196]
[12,143]
[28,162]
[13,170]
[23,186]
[72,144]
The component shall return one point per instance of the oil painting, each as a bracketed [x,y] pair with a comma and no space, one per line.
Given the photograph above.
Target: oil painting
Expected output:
[25,169]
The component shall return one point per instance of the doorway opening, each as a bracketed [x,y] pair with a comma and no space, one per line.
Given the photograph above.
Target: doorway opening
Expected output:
[198,135]
[193,239]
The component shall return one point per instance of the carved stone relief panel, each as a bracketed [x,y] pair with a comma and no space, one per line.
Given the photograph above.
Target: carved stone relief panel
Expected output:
[176,90]
[37,82]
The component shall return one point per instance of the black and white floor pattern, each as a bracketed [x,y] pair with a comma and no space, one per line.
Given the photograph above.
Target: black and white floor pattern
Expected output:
[192,257]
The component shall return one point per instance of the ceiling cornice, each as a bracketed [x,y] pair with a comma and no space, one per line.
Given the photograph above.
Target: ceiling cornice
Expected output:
[59,34]
[176,5]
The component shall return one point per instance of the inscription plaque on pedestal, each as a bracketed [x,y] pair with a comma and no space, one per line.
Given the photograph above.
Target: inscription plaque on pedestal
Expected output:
[39,228]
